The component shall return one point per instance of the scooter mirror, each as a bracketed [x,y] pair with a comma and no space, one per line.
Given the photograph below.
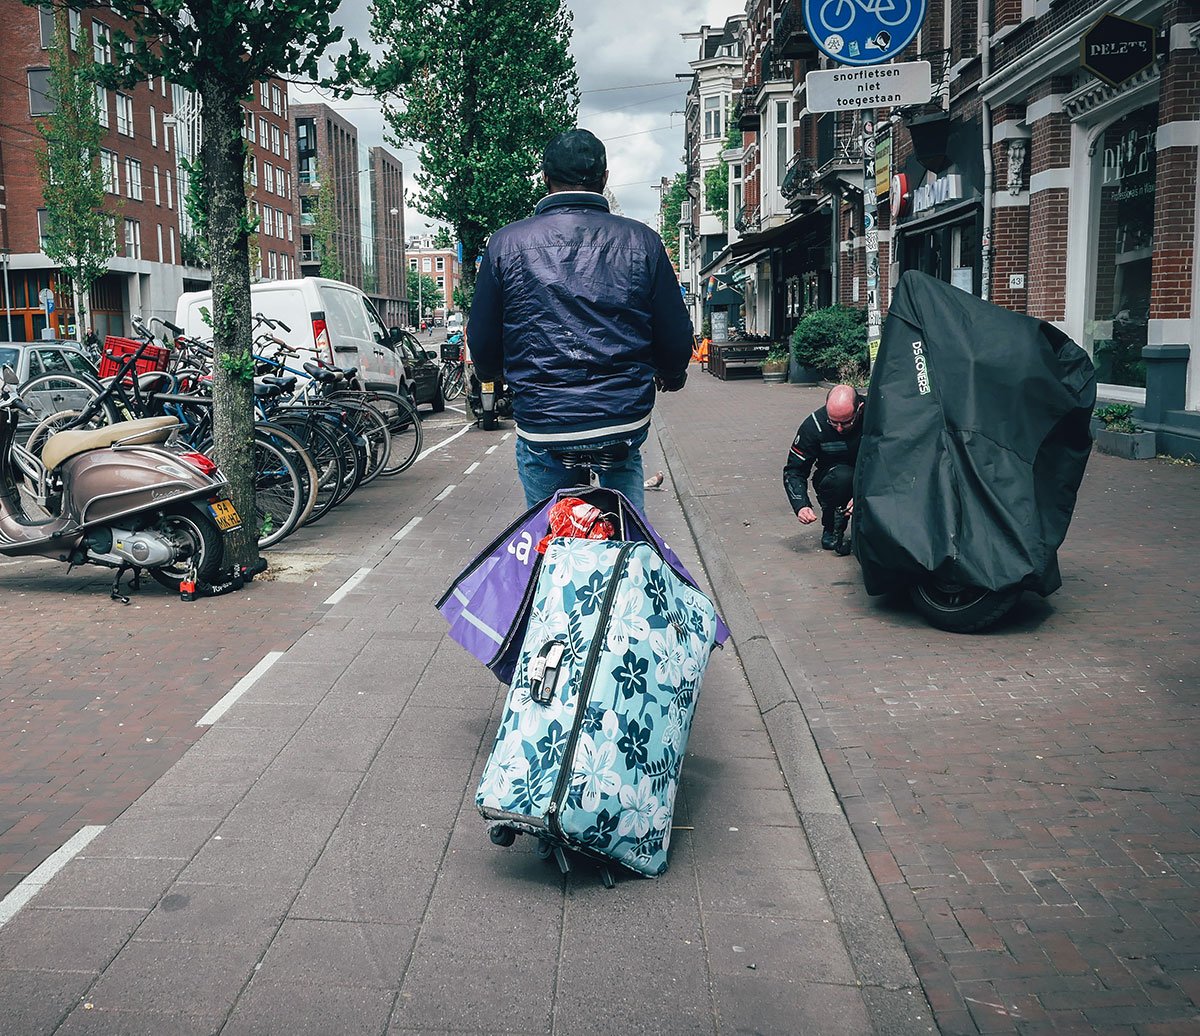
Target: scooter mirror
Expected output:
[10,375]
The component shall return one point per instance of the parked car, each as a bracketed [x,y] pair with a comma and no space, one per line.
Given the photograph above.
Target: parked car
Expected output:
[423,371]
[329,320]
[47,357]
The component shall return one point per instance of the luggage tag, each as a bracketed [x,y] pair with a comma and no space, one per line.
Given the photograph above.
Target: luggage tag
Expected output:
[543,671]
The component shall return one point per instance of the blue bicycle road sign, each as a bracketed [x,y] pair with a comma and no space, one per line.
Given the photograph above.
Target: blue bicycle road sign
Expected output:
[863,32]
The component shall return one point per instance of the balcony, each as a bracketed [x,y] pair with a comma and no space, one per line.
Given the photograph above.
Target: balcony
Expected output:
[799,180]
[791,39]
[747,116]
[310,255]
[747,220]
[773,68]
[839,142]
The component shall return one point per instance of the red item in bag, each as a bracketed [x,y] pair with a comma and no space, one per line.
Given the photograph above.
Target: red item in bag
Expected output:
[573,517]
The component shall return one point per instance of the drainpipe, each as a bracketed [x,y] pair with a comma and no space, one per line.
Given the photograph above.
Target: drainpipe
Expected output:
[985,54]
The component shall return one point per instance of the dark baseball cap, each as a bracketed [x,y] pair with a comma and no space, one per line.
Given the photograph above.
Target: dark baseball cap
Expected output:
[574,157]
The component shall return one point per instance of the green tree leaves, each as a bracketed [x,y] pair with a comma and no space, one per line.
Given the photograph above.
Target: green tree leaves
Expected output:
[481,85]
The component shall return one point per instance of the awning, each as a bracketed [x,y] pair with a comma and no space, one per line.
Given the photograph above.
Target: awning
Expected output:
[737,263]
[716,263]
[779,235]
[936,218]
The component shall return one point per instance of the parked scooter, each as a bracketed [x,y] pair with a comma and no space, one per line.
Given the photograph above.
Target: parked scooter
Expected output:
[114,496]
[489,401]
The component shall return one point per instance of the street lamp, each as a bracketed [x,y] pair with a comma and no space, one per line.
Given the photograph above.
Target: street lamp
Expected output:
[4,255]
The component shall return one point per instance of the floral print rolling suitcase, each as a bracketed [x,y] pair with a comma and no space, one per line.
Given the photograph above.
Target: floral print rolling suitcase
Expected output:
[589,750]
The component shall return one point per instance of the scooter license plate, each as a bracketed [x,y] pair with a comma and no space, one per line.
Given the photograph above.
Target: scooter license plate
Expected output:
[487,386]
[225,515]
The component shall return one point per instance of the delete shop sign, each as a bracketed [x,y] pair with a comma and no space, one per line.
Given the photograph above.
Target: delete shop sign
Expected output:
[863,32]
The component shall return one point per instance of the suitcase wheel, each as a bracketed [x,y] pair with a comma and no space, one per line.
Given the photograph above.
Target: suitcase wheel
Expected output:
[501,835]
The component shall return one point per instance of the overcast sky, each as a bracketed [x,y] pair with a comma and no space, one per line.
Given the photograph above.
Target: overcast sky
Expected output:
[627,53]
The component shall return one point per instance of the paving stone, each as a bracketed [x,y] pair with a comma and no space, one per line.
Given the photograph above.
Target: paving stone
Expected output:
[353,954]
[267,1008]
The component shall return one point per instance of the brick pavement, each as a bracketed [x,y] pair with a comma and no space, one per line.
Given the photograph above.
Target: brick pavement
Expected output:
[100,699]
[1026,799]
[315,862]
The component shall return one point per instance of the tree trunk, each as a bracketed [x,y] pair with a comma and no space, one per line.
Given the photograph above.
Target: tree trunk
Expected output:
[82,313]
[224,163]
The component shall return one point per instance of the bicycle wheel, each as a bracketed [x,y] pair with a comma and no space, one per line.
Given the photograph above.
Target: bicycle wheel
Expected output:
[278,492]
[404,427]
[298,451]
[327,455]
[50,394]
[452,380]
[368,421]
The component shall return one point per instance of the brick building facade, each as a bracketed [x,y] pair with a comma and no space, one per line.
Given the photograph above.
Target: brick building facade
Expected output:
[440,265]
[1027,180]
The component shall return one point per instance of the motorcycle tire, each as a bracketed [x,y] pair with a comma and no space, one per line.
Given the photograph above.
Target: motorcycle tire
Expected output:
[207,541]
[961,609]
[487,421]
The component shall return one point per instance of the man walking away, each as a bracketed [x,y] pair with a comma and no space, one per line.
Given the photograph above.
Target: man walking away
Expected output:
[581,312]
[828,442]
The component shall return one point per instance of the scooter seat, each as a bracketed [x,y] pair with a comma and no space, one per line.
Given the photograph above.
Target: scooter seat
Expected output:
[62,446]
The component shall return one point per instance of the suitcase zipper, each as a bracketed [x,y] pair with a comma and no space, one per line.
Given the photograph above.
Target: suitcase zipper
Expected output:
[585,684]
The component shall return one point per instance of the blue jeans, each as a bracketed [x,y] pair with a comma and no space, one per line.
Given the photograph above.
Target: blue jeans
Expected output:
[542,473]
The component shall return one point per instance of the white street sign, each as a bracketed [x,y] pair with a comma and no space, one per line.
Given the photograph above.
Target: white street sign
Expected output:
[871,86]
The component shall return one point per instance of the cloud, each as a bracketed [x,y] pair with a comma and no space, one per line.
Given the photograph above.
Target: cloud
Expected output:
[627,54]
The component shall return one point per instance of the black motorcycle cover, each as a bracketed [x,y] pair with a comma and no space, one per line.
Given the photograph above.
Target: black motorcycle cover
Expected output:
[975,438]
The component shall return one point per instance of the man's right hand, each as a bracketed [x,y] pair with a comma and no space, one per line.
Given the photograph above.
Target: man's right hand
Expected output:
[669,383]
[806,515]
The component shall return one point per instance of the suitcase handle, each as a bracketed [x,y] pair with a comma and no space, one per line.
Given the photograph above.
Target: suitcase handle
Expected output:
[543,671]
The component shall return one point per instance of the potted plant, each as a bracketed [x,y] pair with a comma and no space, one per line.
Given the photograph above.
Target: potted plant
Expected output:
[1119,436]
[775,366]
[831,343]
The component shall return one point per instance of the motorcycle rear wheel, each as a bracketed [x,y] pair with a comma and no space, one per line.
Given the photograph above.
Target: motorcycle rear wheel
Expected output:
[192,523]
[961,609]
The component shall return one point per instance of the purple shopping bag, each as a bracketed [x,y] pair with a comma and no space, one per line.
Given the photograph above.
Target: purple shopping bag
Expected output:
[487,604]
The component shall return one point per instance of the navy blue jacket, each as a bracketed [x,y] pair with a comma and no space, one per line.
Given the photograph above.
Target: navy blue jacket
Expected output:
[580,309]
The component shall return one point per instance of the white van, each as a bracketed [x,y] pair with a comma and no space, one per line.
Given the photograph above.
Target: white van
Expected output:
[327,319]
[454,322]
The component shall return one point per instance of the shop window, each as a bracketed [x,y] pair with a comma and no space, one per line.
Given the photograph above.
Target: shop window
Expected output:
[1123,228]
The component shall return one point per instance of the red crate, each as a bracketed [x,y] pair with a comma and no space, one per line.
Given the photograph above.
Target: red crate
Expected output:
[116,349]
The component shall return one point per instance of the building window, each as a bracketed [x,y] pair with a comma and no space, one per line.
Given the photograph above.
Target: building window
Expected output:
[41,99]
[46,24]
[171,238]
[101,44]
[269,177]
[308,210]
[133,239]
[157,189]
[263,96]
[427,265]
[102,106]
[161,257]
[170,187]
[412,264]
[1124,178]
[133,178]
[275,139]
[74,25]
[153,127]
[165,133]
[289,226]
[108,170]
[714,109]
[441,262]
[286,146]
[125,114]
[783,139]
[251,135]
[264,131]
[42,229]
[272,265]
[276,101]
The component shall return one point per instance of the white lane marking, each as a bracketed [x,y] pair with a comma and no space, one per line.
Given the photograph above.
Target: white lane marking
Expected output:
[347,586]
[457,409]
[444,442]
[471,468]
[412,524]
[505,436]
[238,689]
[493,448]
[36,881]
[28,561]
[445,492]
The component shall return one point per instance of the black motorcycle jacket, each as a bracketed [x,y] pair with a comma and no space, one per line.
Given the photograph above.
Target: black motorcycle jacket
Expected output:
[818,444]
[579,309]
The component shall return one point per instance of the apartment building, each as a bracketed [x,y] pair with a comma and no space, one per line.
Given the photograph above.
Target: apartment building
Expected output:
[445,269]
[705,230]
[271,181]
[327,158]
[1028,179]
[139,163]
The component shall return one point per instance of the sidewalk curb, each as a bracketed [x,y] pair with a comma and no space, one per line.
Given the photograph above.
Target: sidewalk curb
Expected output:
[893,995]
